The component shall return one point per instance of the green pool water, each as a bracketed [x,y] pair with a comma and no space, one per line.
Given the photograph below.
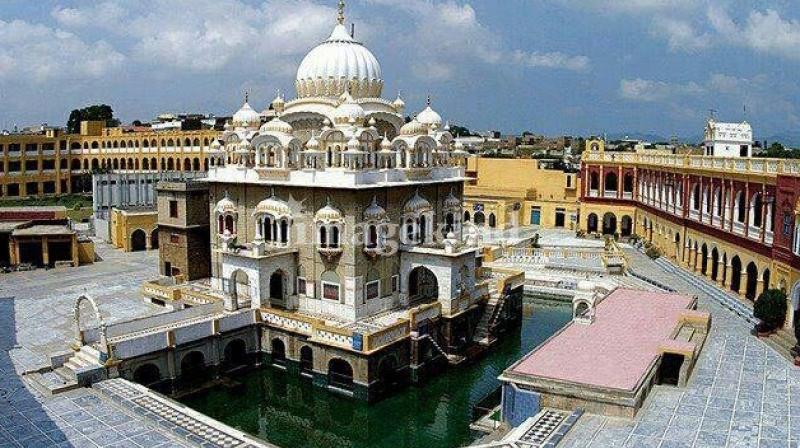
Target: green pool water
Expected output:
[289,411]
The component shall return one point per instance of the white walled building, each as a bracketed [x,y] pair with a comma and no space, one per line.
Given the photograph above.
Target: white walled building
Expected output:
[728,139]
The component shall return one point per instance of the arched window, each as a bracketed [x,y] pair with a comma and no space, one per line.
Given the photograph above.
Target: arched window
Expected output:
[323,236]
[229,224]
[334,237]
[492,220]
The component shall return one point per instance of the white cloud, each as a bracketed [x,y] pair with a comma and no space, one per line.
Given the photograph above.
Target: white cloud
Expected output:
[40,53]
[207,35]
[105,14]
[449,36]
[552,60]
[680,35]
[634,6]
[763,32]
[655,91]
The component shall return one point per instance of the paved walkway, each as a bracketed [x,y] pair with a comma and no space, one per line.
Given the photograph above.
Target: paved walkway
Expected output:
[742,393]
[35,319]
[38,304]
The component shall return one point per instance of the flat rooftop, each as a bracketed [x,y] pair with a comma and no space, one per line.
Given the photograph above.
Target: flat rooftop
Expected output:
[617,349]
[44,230]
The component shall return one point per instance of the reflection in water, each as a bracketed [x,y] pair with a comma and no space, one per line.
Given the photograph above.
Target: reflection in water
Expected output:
[289,411]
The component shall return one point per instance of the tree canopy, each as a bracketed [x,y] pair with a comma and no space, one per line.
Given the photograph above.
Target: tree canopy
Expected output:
[96,112]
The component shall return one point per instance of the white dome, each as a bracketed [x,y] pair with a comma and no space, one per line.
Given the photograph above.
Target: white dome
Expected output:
[417,204]
[340,58]
[429,117]
[328,214]
[413,127]
[348,110]
[225,205]
[277,125]
[273,206]
[312,144]
[386,145]
[246,116]
[452,202]
[374,212]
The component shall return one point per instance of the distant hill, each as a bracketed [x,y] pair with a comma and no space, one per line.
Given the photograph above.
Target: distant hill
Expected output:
[651,137]
[787,138]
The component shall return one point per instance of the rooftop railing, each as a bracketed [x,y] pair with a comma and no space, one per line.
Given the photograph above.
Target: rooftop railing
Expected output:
[763,166]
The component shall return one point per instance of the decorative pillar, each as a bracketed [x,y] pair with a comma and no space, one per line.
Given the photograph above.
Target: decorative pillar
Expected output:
[45,252]
[726,276]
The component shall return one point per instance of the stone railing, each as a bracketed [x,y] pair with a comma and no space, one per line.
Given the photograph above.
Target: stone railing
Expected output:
[158,290]
[551,252]
[424,312]
[753,165]
[386,336]
[339,337]
[291,321]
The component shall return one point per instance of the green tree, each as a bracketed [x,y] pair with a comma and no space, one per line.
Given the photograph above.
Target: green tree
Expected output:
[770,309]
[96,112]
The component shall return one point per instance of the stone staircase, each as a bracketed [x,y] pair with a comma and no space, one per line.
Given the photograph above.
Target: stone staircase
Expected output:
[782,341]
[483,331]
[83,367]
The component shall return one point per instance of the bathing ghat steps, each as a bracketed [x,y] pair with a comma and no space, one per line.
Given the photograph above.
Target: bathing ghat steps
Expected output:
[85,363]
[782,341]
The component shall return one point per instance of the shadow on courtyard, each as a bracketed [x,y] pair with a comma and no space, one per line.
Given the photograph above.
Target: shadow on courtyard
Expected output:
[24,420]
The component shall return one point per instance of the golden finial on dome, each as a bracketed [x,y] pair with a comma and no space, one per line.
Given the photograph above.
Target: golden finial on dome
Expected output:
[341,12]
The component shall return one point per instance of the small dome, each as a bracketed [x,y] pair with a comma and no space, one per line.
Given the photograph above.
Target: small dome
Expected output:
[274,207]
[246,116]
[353,144]
[312,144]
[277,125]
[398,103]
[328,214]
[429,117]
[413,127]
[386,145]
[374,212]
[278,103]
[225,205]
[417,204]
[348,111]
[452,201]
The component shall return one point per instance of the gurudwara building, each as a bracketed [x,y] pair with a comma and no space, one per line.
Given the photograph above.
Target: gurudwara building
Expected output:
[343,226]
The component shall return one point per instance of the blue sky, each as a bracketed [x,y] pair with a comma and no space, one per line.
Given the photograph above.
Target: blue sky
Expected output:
[551,66]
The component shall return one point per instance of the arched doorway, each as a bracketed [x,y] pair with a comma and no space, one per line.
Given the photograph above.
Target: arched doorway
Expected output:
[714,263]
[422,285]
[609,224]
[154,239]
[752,281]
[278,352]
[736,274]
[627,226]
[235,354]
[387,374]
[591,223]
[138,240]
[765,277]
[276,289]
[479,219]
[704,259]
[340,374]
[193,368]
[306,360]
[492,220]
[147,374]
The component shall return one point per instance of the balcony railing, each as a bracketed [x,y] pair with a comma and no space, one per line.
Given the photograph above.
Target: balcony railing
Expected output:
[610,194]
[738,227]
[770,167]
[627,195]
[694,214]
[593,193]
[768,237]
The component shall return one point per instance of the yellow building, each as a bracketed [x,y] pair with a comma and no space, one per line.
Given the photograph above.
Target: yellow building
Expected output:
[511,192]
[134,229]
[53,163]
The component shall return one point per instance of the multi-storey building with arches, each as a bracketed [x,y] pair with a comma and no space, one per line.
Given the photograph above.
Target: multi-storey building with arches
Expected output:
[734,220]
[53,163]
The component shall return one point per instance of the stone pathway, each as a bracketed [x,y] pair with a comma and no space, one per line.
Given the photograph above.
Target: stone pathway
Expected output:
[35,319]
[742,393]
